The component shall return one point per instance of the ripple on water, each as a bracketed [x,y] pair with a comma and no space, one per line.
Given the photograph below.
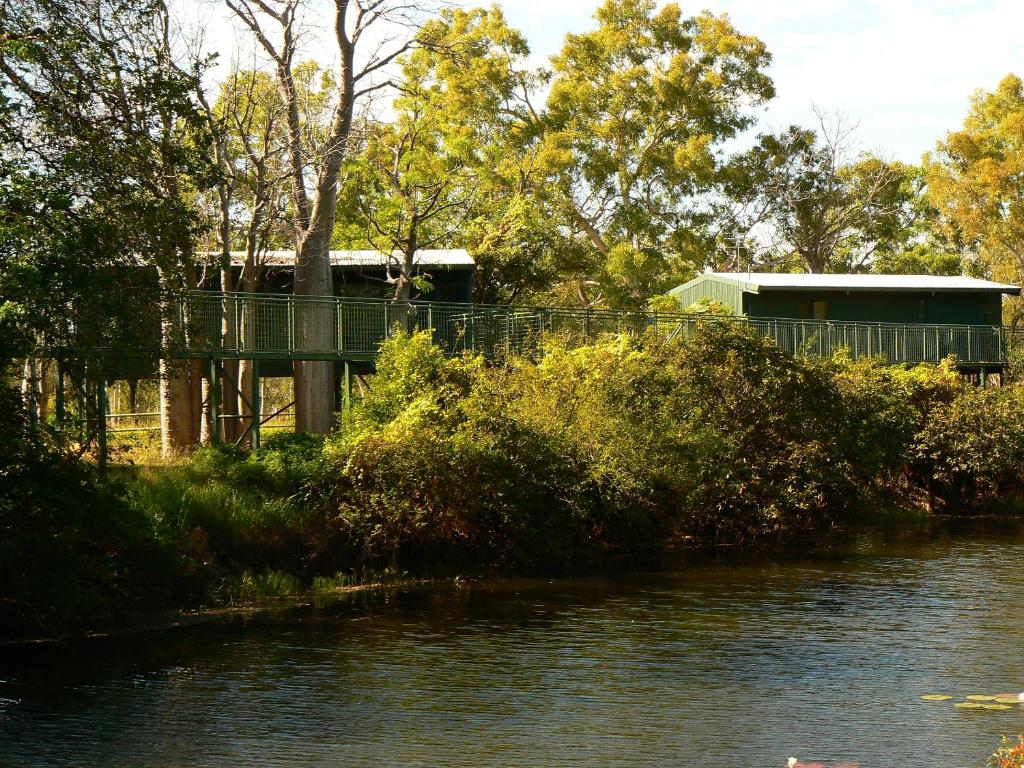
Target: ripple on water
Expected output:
[739,665]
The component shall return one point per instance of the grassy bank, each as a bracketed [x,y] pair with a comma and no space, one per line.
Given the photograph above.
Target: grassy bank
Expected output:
[607,455]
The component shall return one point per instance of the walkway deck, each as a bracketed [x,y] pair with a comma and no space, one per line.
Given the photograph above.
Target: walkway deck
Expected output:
[272,326]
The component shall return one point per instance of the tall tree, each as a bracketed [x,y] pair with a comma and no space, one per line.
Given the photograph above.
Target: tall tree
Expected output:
[636,117]
[418,180]
[246,122]
[315,167]
[101,123]
[976,181]
[807,200]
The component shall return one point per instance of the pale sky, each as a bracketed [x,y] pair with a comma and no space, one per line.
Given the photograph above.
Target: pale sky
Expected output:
[901,70]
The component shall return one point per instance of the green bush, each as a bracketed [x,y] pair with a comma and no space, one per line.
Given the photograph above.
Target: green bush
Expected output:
[73,552]
[972,448]
[620,447]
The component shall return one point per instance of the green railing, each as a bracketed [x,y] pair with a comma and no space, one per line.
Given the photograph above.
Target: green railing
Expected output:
[273,325]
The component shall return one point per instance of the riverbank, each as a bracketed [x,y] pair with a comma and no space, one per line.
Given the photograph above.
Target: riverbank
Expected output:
[609,456]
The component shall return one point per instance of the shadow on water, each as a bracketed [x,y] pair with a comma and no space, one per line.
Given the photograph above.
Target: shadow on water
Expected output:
[742,660]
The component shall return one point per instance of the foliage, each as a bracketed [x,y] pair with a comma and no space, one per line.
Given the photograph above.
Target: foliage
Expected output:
[227,510]
[1009,755]
[822,209]
[100,144]
[72,551]
[975,181]
[626,445]
[973,447]
[637,111]
[886,408]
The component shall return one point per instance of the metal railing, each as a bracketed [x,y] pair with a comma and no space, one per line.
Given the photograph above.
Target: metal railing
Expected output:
[286,326]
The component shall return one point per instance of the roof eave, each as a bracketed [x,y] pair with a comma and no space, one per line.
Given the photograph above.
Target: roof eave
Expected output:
[1012,290]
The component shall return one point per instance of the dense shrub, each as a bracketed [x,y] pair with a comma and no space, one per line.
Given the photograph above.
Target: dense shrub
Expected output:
[621,446]
[72,550]
[229,510]
[972,448]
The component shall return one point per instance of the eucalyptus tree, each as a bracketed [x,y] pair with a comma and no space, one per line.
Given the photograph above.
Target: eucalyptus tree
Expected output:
[975,181]
[246,123]
[103,146]
[807,200]
[635,121]
[421,177]
[315,165]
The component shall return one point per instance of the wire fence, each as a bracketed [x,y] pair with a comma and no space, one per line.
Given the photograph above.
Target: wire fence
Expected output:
[244,324]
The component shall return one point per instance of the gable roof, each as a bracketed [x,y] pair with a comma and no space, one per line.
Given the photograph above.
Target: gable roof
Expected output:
[757,282]
[453,257]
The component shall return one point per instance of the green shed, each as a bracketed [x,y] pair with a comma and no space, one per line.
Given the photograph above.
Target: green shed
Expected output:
[858,298]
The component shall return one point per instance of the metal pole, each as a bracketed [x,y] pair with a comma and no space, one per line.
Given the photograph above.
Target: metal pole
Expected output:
[257,406]
[214,401]
[290,312]
[346,383]
[101,420]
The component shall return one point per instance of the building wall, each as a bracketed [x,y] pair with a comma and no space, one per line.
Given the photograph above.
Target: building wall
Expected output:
[710,288]
[880,307]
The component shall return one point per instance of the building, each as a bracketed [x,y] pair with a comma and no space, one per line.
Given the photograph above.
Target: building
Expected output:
[364,273]
[861,298]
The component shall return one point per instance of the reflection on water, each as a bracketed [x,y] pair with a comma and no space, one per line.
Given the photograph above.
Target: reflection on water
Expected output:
[728,665]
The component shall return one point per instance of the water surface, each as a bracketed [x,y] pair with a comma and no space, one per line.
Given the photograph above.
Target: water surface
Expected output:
[720,664]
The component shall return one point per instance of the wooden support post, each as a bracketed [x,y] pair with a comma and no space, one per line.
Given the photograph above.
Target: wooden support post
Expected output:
[257,406]
[60,394]
[214,409]
[101,420]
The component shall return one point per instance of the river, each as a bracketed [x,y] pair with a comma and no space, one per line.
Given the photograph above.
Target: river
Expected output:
[731,664]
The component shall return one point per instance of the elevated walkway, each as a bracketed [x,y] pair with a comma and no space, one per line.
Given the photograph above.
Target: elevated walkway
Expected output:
[284,327]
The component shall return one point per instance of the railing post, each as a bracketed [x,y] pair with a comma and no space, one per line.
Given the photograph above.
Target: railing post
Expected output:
[346,384]
[257,406]
[290,312]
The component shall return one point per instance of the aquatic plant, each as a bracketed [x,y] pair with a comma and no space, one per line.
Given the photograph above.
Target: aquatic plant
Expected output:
[1009,755]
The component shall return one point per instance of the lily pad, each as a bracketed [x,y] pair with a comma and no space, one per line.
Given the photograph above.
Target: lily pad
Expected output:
[935,697]
[997,706]
[979,697]
[968,705]
[1007,699]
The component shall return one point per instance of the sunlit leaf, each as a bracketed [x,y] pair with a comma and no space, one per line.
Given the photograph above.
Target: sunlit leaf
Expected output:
[979,697]
[935,697]
[968,705]
[996,706]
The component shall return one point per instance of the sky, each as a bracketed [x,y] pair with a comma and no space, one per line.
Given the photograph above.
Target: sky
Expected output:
[901,71]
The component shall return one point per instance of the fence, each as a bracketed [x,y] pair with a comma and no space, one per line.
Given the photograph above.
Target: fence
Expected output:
[271,325]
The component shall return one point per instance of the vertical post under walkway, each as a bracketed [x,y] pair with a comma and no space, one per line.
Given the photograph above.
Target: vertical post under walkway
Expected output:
[101,419]
[257,406]
[214,401]
[346,391]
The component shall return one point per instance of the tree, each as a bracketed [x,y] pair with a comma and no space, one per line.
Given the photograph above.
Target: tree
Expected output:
[417,183]
[636,116]
[104,146]
[246,123]
[976,181]
[807,200]
[315,165]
